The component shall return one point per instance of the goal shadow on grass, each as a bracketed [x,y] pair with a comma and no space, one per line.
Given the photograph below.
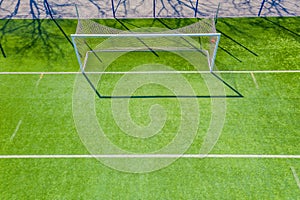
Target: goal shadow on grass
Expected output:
[236,94]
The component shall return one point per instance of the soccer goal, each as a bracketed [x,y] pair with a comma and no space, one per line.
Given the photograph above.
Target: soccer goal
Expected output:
[97,48]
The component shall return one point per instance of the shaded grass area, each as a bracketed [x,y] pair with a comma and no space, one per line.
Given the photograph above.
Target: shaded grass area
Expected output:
[36,45]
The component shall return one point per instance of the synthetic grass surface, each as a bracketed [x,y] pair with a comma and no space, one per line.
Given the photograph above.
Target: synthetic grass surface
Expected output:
[246,43]
[264,121]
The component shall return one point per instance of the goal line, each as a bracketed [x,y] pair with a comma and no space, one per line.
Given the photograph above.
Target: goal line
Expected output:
[156,72]
[254,156]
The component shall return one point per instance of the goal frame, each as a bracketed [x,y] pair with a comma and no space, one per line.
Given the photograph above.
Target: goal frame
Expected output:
[211,61]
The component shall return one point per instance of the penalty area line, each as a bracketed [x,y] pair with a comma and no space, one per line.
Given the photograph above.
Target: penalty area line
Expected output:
[152,156]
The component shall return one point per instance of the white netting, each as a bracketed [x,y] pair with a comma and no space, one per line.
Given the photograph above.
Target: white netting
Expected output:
[95,40]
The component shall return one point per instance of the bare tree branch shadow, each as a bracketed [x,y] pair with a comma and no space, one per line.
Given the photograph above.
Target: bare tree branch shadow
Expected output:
[36,35]
[48,9]
[279,8]
[7,20]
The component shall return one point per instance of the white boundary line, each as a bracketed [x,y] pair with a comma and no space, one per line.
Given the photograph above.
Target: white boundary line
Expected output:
[296,176]
[154,72]
[152,156]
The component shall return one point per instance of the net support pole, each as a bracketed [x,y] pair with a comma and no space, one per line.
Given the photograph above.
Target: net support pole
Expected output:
[196,8]
[77,12]
[154,11]
[217,14]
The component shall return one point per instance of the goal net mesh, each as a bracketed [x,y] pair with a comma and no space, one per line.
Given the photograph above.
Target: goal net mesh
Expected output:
[97,45]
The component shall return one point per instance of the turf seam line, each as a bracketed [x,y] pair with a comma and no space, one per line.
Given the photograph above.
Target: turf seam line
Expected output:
[155,72]
[16,130]
[151,156]
[295,176]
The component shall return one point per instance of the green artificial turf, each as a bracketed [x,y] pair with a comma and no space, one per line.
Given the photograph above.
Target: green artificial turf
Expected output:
[264,121]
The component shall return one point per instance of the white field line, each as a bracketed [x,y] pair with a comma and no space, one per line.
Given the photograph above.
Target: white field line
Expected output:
[296,176]
[254,80]
[152,156]
[16,130]
[155,72]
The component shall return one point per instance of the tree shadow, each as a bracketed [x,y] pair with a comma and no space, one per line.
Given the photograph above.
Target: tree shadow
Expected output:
[7,18]
[37,36]
[242,7]
[278,8]
[37,29]
[99,8]
[157,8]
[49,11]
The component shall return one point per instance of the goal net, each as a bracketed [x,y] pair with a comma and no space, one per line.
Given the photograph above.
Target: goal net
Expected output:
[98,47]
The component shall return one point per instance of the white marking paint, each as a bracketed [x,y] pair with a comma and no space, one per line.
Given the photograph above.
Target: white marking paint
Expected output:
[156,72]
[16,130]
[254,80]
[152,156]
[296,176]
[39,80]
